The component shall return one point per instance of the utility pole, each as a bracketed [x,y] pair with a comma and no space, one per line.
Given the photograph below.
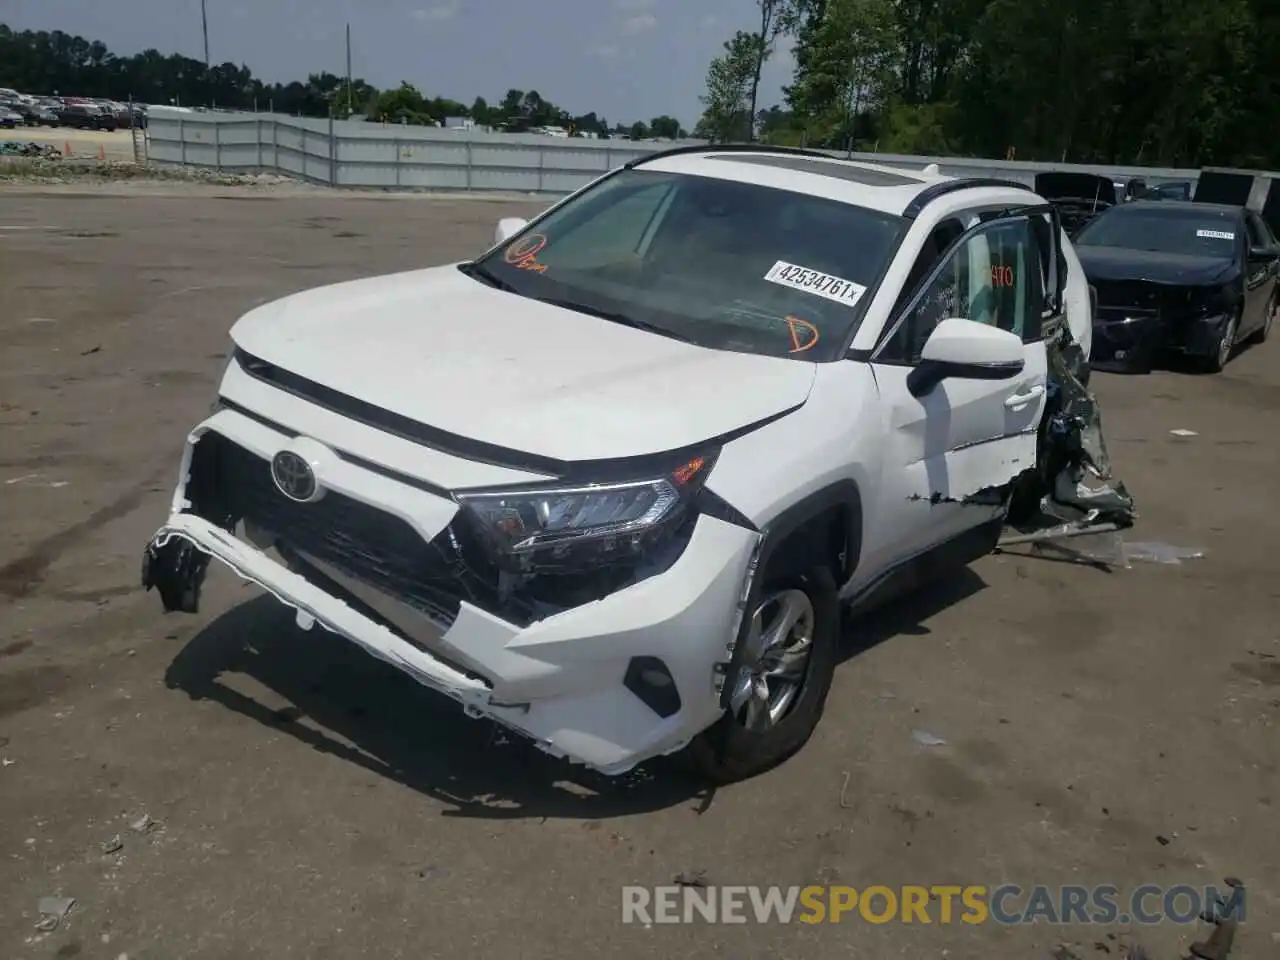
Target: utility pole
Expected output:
[349,110]
[204,29]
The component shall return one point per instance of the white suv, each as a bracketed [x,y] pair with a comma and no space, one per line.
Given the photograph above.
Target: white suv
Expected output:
[610,483]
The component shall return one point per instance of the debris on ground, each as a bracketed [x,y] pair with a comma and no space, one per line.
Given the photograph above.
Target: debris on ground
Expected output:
[53,910]
[1184,433]
[44,151]
[144,824]
[697,878]
[1157,552]
[927,739]
[114,845]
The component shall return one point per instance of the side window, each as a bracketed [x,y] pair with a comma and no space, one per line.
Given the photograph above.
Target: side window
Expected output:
[995,277]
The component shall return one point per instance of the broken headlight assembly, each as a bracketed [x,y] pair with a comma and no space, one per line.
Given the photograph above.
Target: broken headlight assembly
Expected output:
[570,528]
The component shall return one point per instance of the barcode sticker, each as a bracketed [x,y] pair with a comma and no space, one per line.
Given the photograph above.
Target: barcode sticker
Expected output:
[815,282]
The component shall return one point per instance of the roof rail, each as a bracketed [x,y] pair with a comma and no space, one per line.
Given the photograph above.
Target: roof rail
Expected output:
[727,148]
[941,189]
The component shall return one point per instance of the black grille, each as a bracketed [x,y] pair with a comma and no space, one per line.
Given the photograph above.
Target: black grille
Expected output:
[359,540]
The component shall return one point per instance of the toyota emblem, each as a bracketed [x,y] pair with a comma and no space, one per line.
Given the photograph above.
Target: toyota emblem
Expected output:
[294,477]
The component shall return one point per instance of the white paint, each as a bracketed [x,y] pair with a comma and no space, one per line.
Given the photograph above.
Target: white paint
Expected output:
[445,350]
[1180,432]
[816,283]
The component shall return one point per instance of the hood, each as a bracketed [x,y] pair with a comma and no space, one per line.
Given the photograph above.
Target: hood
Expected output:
[1076,186]
[449,352]
[1115,263]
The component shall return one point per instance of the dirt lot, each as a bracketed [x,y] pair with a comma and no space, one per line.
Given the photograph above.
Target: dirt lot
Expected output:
[1100,727]
[115,144]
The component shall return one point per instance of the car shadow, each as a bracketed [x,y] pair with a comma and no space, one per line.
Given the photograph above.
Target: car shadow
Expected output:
[350,705]
[340,701]
[904,615]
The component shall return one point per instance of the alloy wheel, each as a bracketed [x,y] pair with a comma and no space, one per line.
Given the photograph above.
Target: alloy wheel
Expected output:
[1228,342]
[778,644]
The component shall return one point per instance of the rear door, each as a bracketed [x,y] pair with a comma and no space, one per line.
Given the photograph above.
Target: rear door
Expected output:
[1260,272]
[953,450]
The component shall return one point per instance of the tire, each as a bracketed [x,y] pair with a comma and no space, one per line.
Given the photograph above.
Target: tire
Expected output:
[1217,361]
[728,751]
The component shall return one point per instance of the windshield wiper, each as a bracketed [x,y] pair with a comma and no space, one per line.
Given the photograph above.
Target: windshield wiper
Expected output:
[614,317]
[478,271]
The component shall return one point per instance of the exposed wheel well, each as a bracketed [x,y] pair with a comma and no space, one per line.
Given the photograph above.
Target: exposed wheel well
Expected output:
[828,539]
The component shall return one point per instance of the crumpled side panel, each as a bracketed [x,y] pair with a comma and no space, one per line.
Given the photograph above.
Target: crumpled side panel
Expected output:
[1081,483]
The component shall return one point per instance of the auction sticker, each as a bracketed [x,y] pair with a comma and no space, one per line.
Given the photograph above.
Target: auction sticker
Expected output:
[1216,234]
[815,282]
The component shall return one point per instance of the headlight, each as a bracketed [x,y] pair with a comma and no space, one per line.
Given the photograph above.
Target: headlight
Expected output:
[573,524]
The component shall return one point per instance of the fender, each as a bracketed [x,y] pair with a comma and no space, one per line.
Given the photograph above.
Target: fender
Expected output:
[780,546]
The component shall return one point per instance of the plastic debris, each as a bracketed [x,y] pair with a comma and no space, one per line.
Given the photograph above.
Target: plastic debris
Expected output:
[53,910]
[114,845]
[927,739]
[1184,433]
[144,824]
[1155,551]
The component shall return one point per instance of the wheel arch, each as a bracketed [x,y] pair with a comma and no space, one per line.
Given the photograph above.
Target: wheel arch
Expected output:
[822,529]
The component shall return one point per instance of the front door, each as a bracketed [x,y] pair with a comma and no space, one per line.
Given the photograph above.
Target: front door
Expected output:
[956,447]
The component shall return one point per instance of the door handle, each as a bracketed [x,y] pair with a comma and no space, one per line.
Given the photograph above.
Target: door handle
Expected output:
[1025,397]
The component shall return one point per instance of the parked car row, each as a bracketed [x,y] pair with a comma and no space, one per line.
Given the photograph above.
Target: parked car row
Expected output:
[84,113]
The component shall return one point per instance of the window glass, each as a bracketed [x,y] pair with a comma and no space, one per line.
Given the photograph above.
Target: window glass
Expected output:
[1161,228]
[724,264]
[995,277]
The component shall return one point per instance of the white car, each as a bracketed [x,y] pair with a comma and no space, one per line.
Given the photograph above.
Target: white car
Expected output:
[610,483]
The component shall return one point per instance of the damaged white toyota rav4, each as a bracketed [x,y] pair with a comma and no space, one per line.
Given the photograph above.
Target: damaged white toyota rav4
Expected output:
[611,483]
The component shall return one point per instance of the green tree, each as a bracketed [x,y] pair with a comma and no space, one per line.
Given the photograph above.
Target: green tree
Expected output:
[665,128]
[405,104]
[638,131]
[728,98]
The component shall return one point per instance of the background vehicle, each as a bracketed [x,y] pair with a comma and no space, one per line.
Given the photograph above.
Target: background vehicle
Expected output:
[85,117]
[1078,197]
[1173,276]
[1177,190]
[9,118]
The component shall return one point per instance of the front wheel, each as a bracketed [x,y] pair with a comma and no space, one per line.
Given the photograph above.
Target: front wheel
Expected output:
[778,684]
[1226,343]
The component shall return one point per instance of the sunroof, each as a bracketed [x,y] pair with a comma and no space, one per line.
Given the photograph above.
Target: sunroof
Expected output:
[825,168]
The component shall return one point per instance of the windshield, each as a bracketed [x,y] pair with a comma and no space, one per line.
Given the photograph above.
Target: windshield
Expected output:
[1189,232]
[727,265]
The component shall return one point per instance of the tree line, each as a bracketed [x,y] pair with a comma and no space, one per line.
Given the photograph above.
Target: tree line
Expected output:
[56,63]
[1157,82]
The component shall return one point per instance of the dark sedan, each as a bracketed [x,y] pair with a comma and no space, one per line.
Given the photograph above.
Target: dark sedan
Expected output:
[1178,277]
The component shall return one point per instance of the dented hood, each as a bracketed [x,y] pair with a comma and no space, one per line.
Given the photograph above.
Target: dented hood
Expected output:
[444,350]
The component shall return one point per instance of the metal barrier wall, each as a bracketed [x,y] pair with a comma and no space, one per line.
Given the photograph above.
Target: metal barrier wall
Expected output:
[346,153]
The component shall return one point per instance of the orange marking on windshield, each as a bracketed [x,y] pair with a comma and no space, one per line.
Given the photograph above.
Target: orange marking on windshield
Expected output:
[524,253]
[804,335]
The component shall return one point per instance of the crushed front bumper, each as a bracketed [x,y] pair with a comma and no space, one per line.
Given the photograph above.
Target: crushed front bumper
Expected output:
[608,683]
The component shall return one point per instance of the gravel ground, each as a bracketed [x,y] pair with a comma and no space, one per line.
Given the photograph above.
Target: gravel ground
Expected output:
[305,801]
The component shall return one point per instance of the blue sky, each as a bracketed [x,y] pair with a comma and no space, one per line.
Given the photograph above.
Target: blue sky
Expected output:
[626,59]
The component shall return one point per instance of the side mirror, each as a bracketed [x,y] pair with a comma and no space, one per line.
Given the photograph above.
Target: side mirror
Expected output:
[967,350]
[508,227]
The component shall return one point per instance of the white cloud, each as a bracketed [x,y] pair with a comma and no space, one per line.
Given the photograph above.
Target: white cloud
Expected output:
[641,23]
[442,11]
